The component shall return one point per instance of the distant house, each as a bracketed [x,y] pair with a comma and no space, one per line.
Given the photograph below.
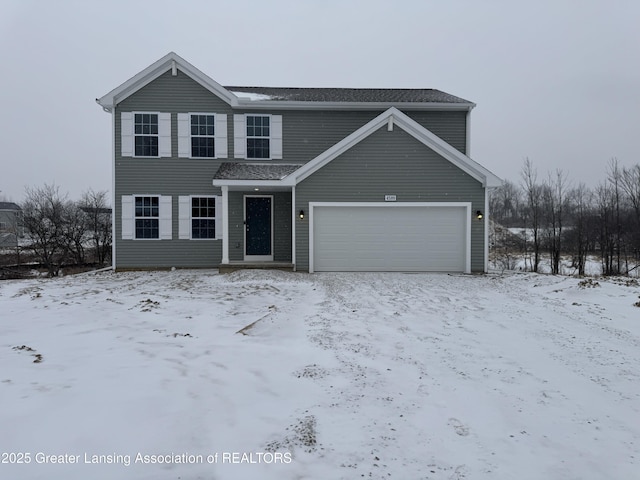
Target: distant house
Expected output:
[10,224]
[321,179]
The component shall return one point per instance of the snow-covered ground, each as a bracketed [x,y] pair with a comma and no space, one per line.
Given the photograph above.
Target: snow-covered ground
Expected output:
[343,376]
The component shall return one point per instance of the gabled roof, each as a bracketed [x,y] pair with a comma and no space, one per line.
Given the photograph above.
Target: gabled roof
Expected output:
[286,97]
[168,62]
[391,117]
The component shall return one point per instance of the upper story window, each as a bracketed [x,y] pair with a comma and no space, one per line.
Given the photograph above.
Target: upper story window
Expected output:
[202,135]
[258,136]
[146,134]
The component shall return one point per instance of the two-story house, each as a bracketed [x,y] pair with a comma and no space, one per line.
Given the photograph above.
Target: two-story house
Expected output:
[319,179]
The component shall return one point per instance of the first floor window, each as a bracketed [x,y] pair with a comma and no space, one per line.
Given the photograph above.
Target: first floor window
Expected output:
[145,134]
[203,217]
[147,217]
[199,217]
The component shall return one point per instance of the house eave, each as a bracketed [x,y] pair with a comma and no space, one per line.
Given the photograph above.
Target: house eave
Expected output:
[171,61]
[288,105]
[283,184]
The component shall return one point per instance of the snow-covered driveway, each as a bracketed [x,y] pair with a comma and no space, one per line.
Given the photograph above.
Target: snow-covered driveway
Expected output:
[407,376]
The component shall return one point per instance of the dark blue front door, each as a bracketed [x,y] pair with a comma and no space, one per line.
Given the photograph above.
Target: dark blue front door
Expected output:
[258,226]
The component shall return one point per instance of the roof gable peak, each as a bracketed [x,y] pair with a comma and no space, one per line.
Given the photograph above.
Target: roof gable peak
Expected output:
[171,61]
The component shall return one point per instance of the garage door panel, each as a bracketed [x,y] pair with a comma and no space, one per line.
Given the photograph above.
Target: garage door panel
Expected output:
[389,238]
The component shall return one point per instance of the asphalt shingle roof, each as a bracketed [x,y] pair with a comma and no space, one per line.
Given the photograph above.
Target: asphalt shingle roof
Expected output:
[359,95]
[254,171]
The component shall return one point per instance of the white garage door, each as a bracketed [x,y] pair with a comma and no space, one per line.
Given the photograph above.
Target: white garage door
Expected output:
[389,238]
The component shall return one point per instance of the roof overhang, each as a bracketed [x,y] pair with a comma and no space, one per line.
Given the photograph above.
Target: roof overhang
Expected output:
[171,61]
[293,105]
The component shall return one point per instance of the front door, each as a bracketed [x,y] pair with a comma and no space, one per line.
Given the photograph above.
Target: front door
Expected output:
[258,228]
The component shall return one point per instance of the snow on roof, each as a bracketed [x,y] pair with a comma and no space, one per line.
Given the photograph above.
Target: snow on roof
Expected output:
[252,96]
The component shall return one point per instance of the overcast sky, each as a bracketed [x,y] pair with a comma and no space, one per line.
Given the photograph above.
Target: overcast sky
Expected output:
[556,81]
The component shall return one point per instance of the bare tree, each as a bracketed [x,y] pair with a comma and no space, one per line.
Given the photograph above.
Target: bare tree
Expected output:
[578,238]
[43,217]
[98,222]
[630,182]
[607,241]
[555,198]
[505,204]
[614,177]
[533,208]
[74,233]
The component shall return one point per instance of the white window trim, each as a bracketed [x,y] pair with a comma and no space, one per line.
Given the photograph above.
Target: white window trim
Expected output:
[240,136]
[128,135]
[185,232]
[128,215]
[220,147]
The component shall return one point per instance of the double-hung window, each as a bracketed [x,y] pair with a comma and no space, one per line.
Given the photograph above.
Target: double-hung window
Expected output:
[147,217]
[203,217]
[199,217]
[202,135]
[258,136]
[145,132]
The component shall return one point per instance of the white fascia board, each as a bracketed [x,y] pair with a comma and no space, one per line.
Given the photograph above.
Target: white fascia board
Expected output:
[252,183]
[158,68]
[287,105]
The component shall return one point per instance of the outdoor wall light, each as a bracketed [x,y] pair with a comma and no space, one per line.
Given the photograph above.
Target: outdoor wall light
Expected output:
[301,215]
[479,215]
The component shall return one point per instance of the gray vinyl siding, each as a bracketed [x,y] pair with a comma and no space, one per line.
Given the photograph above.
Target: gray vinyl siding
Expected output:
[167,176]
[390,163]
[281,225]
[450,126]
[306,134]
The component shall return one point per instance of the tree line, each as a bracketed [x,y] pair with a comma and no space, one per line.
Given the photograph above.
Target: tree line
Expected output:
[60,232]
[559,220]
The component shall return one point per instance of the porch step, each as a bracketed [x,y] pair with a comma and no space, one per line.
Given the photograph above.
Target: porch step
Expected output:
[233,266]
